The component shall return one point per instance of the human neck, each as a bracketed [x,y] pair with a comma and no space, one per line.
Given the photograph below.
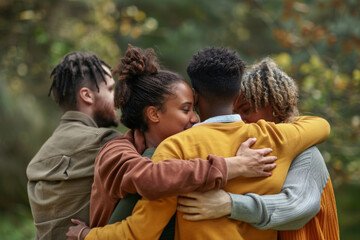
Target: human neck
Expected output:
[84,109]
[208,110]
[151,139]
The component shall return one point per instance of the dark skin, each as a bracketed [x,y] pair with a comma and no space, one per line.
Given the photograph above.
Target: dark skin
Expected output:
[208,107]
[76,229]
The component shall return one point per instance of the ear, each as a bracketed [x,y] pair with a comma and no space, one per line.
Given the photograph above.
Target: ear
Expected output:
[152,114]
[86,95]
[237,99]
[196,97]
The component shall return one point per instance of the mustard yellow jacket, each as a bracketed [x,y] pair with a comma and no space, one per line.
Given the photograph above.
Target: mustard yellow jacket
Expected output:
[222,139]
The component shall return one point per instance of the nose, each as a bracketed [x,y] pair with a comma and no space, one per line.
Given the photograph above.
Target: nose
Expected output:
[194,118]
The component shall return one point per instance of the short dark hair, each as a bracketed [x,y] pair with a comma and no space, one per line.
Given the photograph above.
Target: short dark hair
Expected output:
[141,83]
[75,70]
[216,72]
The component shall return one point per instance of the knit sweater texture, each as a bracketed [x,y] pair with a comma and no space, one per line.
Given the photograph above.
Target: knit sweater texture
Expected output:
[120,169]
[222,139]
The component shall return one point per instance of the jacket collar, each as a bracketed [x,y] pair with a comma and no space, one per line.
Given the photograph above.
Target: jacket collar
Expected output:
[80,117]
[222,119]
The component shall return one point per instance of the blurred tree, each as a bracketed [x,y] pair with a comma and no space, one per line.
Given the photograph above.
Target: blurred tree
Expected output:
[322,39]
[316,42]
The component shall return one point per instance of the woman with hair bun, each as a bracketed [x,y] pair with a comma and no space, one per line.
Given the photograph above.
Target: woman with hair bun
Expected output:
[155,104]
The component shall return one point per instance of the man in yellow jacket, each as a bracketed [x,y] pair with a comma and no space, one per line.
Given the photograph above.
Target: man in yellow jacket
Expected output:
[216,75]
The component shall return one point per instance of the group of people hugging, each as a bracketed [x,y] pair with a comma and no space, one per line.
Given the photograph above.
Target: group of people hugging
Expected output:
[227,158]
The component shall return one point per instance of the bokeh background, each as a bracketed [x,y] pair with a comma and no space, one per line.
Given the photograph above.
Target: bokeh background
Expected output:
[316,42]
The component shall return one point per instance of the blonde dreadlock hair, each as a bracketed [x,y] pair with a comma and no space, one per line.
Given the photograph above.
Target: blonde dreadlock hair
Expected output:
[266,84]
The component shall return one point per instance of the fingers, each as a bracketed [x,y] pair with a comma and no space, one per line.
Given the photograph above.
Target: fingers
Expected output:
[263,174]
[264,151]
[187,202]
[187,210]
[77,221]
[269,167]
[265,171]
[248,143]
[269,159]
[194,217]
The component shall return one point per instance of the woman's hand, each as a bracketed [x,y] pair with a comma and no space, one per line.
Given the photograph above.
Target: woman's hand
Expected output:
[208,205]
[250,162]
[77,232]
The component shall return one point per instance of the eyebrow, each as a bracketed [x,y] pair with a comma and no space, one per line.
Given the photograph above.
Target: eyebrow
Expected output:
[187,103]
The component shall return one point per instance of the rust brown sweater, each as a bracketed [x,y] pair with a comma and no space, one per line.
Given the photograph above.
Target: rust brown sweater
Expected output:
[120,169]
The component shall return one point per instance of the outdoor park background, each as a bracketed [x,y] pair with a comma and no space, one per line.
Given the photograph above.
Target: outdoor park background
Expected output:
[316,42]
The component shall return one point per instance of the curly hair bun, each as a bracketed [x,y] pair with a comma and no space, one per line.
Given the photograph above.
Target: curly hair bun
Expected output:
[137,62]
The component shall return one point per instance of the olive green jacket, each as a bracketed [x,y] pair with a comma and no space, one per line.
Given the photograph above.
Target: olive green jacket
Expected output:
[61,174]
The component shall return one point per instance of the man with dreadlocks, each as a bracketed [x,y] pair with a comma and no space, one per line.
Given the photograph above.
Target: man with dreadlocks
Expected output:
[61,173]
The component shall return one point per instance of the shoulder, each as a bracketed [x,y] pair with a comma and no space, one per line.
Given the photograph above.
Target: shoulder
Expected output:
[312,158]
[311,152]
[119,141]
[106,134]
[171,147]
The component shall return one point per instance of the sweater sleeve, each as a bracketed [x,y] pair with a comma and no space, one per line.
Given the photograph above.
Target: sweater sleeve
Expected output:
[293,138]
[147,222]
[124,170]
[150,217]
[296,204]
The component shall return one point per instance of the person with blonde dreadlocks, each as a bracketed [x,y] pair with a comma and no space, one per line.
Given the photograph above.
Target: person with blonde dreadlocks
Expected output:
[305,208]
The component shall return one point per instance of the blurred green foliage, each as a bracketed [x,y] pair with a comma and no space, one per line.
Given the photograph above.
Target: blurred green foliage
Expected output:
[17,224]
[316,42]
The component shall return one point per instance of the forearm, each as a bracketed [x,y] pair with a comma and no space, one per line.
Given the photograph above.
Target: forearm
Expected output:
[279,212]
[148,220]
[124,170]
[298,202]
[306,131]
[109,232]
[151,180]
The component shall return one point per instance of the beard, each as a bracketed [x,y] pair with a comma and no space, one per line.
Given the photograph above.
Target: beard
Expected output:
[105,116]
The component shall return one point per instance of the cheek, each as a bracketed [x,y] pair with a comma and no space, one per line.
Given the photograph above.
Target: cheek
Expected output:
[110,102]
[182,121]
[171,128]
[254,117]
[188,118]
[110,98]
